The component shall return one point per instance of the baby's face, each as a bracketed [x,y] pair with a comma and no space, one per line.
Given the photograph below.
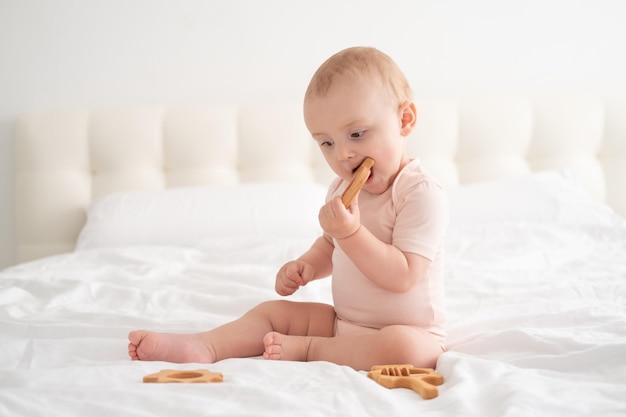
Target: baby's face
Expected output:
[355,119]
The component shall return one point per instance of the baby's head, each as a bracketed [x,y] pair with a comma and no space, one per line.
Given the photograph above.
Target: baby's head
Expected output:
[359,104]
[361,61]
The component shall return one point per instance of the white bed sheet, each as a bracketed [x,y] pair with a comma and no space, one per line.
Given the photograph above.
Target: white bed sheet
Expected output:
[537,326]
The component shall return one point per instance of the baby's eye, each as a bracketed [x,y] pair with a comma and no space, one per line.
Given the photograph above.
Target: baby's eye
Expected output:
[358,134]
[325,143]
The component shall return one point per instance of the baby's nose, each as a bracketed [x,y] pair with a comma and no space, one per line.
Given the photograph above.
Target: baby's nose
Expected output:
[344,152]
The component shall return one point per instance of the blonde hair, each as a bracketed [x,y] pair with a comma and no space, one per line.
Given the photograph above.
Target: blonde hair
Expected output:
[365,61]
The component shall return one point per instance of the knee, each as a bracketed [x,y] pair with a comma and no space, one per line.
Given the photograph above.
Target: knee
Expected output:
[266,310]
[272,305]
[408,345]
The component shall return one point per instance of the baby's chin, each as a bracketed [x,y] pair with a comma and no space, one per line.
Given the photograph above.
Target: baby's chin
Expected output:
[376,189]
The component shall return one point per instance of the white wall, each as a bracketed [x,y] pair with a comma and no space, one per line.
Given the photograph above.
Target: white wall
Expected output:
[74,53]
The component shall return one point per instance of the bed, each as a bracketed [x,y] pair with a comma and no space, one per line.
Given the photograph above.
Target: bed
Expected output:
[176,219]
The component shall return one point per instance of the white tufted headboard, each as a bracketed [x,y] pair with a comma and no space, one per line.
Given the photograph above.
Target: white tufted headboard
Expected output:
[66,159]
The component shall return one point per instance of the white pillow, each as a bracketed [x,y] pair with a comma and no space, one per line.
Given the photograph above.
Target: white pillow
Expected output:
[542,197]
[185,216]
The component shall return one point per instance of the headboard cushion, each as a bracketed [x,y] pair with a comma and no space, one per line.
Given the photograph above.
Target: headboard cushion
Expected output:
[67,159]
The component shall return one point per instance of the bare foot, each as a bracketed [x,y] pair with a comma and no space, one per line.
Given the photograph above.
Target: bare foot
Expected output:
[168,347]
[280,347]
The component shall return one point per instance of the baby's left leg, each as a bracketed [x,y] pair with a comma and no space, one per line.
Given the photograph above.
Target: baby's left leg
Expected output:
[391,345]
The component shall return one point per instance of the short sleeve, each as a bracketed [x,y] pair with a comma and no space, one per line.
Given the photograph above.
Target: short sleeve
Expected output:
[422,215]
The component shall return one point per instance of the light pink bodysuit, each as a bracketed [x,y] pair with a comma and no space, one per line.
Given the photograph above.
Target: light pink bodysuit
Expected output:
[412,215]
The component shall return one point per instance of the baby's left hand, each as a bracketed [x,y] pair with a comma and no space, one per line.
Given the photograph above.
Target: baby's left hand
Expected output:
[338,221]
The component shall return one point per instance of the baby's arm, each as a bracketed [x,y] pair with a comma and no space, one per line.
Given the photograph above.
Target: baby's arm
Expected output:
[383,264]
[313,264]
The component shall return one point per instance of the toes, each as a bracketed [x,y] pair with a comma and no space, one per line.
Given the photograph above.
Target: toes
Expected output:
[132,352]
[272,356]
[273,346]
[273,349]
[270,338]
[135,336]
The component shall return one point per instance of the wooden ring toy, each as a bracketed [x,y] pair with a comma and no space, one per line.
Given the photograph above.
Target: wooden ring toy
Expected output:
[184,376]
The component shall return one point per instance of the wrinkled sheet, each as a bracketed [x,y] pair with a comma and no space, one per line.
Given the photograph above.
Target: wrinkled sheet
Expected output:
[537,326]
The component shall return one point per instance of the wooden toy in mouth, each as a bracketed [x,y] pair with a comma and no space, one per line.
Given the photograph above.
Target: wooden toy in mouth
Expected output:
[358,180]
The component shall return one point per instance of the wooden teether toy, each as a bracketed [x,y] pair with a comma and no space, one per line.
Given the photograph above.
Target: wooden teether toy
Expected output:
[172,375]
[424,381]
[360,176]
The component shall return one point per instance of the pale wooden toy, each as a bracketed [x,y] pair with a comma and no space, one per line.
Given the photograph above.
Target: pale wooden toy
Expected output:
[360,176]
[195,376]
[424,381]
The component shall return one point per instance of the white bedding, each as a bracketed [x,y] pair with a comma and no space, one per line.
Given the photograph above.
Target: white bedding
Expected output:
[536,302]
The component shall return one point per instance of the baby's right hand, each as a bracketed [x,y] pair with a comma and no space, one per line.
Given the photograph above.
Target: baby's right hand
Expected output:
[292,276]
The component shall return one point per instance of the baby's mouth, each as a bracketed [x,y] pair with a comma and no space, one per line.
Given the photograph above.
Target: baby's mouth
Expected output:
[370,174]
[354,170]
[354,173]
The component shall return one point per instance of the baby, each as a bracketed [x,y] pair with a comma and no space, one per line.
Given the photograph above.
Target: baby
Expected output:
[385,251]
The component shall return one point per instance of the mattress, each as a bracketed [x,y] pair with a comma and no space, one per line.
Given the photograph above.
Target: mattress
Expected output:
[535,293]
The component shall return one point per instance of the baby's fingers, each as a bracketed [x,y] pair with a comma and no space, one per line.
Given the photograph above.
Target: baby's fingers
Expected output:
[288,279]
[294,274]
[286,286]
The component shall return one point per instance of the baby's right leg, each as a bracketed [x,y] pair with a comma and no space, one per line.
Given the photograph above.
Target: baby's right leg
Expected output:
[240,338]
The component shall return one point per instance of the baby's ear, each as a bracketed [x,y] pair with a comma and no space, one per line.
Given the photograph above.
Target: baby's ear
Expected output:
[408,117]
